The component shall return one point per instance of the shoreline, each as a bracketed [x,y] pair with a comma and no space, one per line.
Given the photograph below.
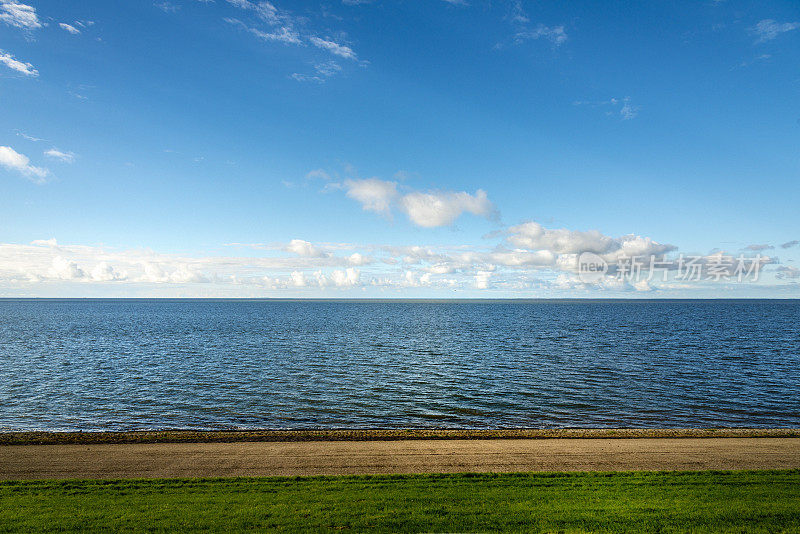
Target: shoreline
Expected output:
[402,434]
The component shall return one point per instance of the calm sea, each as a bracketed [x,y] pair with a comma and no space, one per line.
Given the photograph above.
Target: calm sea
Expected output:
[156,364]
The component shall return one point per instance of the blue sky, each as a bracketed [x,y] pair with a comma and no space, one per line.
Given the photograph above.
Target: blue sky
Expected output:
[389,149]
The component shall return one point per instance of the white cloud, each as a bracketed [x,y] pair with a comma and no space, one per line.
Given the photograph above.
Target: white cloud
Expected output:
[13,160]
[426,209]
[304,249]
[357,258]
[307,78]
[533,236]
[328,68]
[549,263]
[524,32]
[373,194]
[167,7]
[69,27]
[642,285]
[161,272]
[482,279]
[64,269]
[333,47]
[524,258]
[266,11]
[282,21]
[621,107]
[288,28]
[29,137]
[103,272]
[759,247]
[322,71]
[568,243]
[22,67]
[628,111]
[66,157]
[19,15]
[554,34]
[768,29]
[346,278]
[430,210]
[298,279]
[788,272]
[318,174]
[284,34]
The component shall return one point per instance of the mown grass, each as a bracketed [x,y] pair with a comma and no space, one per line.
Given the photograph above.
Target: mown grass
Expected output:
[707,501]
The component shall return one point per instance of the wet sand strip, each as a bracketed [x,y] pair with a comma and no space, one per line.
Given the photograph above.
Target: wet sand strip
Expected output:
[268,458]
[194,436]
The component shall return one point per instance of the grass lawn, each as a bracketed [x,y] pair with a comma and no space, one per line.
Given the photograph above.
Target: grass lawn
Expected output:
[708,501]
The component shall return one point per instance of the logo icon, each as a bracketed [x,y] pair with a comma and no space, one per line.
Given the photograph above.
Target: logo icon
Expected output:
[591,267]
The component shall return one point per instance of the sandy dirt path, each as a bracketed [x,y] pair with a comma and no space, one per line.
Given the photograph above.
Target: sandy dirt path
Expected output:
[402,456]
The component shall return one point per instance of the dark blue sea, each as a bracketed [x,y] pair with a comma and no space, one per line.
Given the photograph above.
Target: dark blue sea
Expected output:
[214,364]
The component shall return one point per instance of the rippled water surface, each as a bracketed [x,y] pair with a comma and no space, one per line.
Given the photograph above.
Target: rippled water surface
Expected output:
[137,364]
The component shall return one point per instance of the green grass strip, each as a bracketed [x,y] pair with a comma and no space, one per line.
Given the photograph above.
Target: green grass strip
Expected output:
[705,501]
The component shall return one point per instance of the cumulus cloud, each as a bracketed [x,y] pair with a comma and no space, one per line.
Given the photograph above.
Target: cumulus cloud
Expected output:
[373,194]
[298,279]
[304,248]
[357,258]
[66,157]
[345,278]
[19,15]
[304,266]
[14,64]
[533,236]
[425,209]
[64,269]
[103,272]
[13,160]
[482,279]
[768,29]
[430,210]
